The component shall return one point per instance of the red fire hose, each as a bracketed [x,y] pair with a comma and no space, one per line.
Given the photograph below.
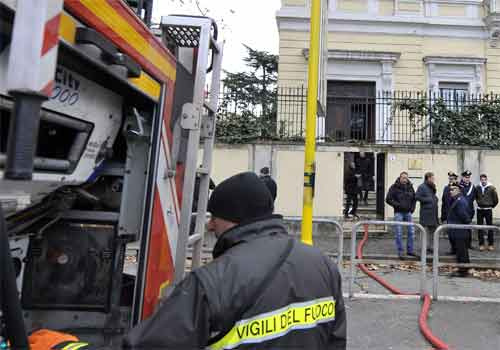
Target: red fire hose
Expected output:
[422,320]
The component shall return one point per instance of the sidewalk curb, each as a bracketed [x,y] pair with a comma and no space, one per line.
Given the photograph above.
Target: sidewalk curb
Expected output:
[370,296]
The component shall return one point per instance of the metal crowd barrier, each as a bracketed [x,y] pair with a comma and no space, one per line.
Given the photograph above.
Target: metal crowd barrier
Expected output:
[423,255]
[435,259]
[335,224]
[196,237]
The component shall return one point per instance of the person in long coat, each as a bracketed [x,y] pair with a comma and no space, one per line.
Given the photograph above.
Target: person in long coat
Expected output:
[446,201]
[351,190]
[426,196]
[365,167]
[460,214]
[469,192]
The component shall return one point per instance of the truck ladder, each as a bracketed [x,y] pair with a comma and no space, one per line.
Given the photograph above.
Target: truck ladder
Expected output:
[198,119]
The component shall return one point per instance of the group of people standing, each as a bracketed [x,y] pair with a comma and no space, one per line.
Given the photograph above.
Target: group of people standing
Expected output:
[457,207]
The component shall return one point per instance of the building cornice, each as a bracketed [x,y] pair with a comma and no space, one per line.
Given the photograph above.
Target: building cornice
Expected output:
[297,19]
[459,60]
[295,12]
[493,23]
[457,2]
[370,56]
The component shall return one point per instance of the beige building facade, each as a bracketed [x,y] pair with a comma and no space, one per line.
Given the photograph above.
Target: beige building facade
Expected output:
[408,45]
[377,47]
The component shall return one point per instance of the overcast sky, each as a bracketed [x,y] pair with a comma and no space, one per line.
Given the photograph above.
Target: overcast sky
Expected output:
[251,22]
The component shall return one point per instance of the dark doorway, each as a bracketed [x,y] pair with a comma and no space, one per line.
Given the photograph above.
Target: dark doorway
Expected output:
[380,185]
[359,172]
[350,111]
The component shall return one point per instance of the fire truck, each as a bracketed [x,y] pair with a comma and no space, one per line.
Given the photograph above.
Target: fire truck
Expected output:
[106,129]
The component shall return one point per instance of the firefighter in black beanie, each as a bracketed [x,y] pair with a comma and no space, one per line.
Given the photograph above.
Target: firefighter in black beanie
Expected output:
[259,277]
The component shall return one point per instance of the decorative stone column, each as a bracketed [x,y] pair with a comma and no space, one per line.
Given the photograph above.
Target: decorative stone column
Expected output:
[493,23]
[383,124]
[433,81]
[387,81]
[477,88]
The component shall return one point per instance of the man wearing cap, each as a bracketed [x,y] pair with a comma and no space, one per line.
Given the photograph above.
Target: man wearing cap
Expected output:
[262,290]
[487,200]
[469,192]
[446,201]
[459,214]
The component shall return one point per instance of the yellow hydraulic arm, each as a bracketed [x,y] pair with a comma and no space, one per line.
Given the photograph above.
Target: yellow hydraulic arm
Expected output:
[312,100]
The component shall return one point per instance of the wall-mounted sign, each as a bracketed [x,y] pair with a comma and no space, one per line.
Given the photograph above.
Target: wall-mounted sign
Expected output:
[415,164]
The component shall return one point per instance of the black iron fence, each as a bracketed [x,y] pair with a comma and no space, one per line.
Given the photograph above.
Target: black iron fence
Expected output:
[441,118]
[276,115]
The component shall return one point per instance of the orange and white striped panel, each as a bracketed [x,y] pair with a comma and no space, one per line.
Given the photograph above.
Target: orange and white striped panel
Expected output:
[33,52]
[164,232]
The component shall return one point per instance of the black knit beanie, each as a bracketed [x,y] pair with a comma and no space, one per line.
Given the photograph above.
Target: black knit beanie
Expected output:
[241,198]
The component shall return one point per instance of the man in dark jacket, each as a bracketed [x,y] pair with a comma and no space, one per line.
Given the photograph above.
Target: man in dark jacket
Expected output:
[487,200]
[351,190]
[469,192]
[426,195]
[262,290]
[401,197]
[365,168]
[459,214]
[265,176]
[446,198]
[446,201]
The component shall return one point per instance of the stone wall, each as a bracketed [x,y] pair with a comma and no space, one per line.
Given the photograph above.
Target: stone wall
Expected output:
[287,161]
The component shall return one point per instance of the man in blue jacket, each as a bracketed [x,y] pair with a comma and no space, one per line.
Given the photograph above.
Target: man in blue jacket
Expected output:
[459,214]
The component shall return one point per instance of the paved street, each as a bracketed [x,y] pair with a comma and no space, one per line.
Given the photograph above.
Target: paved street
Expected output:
[393,324]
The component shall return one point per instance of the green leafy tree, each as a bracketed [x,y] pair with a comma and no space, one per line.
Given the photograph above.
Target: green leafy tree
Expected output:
[248,107]
[474,123]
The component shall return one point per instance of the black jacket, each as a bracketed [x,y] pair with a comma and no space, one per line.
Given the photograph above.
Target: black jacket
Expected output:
[446,201]
[469,193]
[487,197]
[351,182]
[364,165]
[459,214]
[401,197]
[271,185]
[300,306]
[426,195]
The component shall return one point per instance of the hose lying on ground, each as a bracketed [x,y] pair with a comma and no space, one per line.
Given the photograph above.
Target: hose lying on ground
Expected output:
[422,320]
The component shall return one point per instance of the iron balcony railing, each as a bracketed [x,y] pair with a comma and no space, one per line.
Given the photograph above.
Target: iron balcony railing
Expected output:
[396,117]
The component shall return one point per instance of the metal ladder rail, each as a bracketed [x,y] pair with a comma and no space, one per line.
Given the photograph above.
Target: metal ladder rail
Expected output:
[208,136]
[197,31]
